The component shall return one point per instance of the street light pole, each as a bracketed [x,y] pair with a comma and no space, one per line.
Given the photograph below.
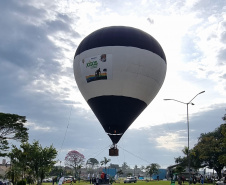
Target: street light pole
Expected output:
[189,166]
[188,154]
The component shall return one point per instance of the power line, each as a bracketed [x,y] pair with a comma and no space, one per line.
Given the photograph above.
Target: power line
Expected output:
[102,150]
[135,155]
[68,122]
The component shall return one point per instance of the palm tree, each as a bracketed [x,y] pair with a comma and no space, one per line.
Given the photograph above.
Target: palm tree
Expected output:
[105,161]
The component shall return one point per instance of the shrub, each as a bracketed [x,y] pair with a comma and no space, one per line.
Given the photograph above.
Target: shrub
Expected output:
[22,182]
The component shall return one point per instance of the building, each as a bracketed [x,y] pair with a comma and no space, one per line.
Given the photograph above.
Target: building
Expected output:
[161,175]
[170,170]
[110,171]
[4,167]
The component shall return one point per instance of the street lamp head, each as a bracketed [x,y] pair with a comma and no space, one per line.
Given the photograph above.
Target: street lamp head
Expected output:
[201,92]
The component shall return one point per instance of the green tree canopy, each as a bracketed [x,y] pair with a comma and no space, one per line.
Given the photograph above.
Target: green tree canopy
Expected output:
[92,162]
[211,150]
[116,166]
[182,161]
[56,171]
[105,161]
[34,161]
[222,158]
[125,166]
[11,128]
[152,169]
[119,172]
[224,118]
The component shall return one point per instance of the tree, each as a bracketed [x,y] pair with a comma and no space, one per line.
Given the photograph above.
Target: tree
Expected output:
[14,174]
[211,149]
[92,162]
[183,161]
[116,166]
[179,169]
[55,171]
[222,158]
[33,161]
[74,159]
[125,167]
[119,172]
[135,169]
[152,169]
[11,128]
[104,162]
[129,174]
[142,168]
[224,118]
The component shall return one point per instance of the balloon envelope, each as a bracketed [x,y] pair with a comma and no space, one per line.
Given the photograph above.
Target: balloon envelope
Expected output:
[119,70]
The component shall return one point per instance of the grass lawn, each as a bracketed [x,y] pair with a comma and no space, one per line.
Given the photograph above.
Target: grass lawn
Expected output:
[138,183]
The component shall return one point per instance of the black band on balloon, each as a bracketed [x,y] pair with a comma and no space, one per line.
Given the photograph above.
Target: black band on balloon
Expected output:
[116,113]
[121,36]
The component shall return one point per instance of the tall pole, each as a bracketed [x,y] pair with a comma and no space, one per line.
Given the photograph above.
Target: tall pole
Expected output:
[188,154]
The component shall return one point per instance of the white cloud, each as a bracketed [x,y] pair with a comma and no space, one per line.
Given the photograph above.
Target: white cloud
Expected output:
[171,141]
[34,126]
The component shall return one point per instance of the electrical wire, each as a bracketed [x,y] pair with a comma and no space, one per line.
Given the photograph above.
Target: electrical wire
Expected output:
[102,150]
[135,155]
[68,122]
[95,154]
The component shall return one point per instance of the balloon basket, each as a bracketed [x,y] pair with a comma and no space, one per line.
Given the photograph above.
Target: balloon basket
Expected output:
[113,151]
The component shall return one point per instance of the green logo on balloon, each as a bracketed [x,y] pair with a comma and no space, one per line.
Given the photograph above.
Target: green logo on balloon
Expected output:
[92,64]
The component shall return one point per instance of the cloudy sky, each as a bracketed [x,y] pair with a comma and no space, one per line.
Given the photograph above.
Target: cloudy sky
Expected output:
[38,42]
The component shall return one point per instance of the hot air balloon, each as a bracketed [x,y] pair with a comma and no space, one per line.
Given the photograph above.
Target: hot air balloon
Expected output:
[119,70]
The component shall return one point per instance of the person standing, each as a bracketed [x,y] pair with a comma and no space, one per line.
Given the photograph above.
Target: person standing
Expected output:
[102,177]
[202,179]
[183,178]
[179,180]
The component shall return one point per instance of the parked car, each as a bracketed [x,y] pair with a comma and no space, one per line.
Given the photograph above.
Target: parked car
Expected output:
[130,179]
[68,180]
[221,181]
[47,180]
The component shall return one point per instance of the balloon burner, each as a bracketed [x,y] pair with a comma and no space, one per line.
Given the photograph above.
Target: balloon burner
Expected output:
[113,151]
